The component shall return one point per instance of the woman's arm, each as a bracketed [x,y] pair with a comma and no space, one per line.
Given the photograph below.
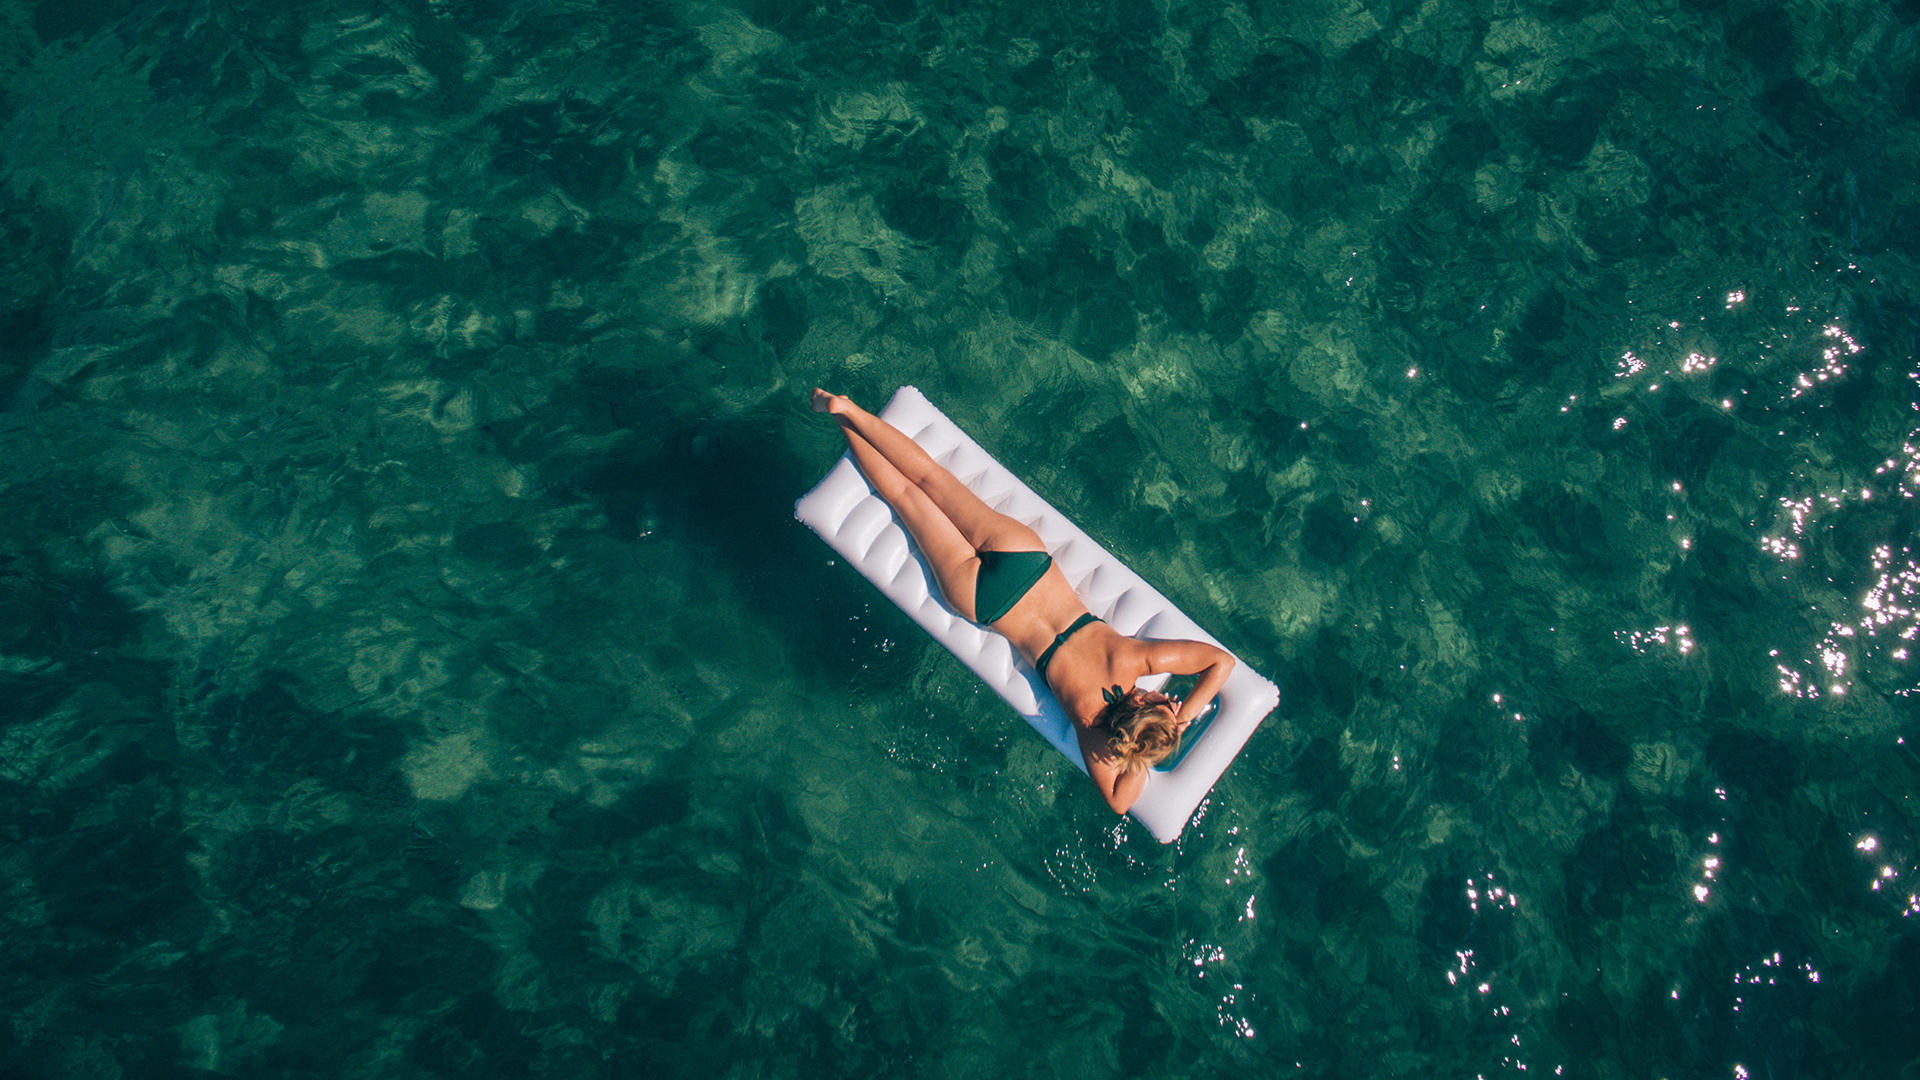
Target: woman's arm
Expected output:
[1120,789]
[1211,663]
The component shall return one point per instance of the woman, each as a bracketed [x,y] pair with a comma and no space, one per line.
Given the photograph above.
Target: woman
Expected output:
[995,571]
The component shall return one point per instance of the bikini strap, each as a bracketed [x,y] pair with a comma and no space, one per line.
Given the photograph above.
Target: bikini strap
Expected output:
[1046,658]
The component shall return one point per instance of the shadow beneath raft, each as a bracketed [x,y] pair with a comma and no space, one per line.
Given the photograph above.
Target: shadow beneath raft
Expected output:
[727,487]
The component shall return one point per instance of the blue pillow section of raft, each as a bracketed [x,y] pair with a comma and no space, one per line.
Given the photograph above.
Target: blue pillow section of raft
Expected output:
[859,525]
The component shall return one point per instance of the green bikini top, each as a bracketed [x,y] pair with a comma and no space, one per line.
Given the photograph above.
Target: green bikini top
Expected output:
[1046,658]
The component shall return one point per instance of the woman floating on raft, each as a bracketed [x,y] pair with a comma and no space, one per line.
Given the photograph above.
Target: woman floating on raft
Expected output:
[995,571]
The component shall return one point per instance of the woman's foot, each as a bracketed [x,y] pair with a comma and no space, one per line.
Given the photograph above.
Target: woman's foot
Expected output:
[825,402]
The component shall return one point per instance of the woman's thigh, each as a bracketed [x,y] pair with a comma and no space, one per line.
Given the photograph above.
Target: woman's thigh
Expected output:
[951,556]
[984,527]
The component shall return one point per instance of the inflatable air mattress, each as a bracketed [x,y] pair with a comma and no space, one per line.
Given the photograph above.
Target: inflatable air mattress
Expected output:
[859,525]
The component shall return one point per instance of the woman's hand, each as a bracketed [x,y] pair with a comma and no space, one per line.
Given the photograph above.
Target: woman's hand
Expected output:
[1176,704]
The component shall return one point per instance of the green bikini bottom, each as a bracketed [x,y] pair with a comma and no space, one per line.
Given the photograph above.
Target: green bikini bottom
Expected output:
[1005,577]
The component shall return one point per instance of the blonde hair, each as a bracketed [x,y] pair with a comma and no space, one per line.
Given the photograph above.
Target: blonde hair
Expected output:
[1143,735]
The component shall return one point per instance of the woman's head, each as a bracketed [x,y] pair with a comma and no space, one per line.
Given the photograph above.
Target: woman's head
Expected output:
[1142,727]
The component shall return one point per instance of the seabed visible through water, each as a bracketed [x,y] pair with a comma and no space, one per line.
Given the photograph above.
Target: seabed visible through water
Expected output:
[409,666]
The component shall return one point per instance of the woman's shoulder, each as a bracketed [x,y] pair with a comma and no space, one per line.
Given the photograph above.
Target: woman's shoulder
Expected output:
[1129,657]
[1120,661]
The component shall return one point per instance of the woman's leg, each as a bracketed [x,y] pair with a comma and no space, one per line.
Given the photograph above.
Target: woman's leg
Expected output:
[955,563]
[985,528]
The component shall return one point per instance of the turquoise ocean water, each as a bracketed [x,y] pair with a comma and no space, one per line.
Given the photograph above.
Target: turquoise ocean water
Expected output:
[409,666]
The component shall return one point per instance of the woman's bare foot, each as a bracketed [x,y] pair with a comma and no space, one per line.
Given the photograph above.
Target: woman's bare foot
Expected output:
[825,402]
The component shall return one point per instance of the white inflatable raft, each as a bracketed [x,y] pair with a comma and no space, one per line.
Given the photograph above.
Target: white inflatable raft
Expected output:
[847,514]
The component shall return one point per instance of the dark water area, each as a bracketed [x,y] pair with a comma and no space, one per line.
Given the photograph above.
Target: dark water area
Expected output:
[409,665]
